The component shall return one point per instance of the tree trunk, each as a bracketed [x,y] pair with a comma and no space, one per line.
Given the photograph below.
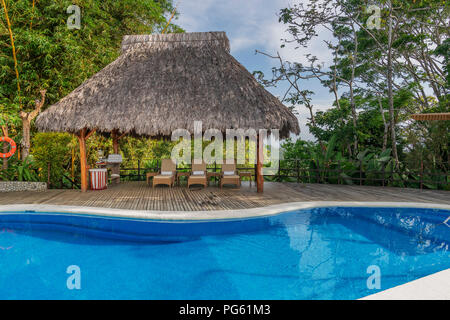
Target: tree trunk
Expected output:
[352,95]
[309,106]
[386,125]
[27,117]
[336,95]
[390,88]
[26,144]
[354,119]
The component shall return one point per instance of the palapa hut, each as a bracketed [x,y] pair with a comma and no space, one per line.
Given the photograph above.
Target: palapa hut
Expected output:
[160,83]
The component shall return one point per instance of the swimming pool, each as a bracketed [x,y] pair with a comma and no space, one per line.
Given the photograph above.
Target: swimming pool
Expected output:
[318,253]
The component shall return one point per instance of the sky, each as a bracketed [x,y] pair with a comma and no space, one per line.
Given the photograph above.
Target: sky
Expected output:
[253,25]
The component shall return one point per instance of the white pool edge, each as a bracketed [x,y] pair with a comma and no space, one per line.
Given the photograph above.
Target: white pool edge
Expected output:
[210,215]
[433,287]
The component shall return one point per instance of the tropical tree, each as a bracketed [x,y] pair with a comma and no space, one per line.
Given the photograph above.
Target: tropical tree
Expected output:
[383,67]
[39,51]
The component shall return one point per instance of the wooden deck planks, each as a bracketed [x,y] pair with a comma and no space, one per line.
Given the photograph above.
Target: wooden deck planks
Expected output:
[139,196]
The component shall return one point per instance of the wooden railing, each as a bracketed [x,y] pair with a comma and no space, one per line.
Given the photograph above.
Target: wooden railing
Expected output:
[308,171]
[337,172]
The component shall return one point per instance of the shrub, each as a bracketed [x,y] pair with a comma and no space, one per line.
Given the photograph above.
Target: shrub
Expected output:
[53,148]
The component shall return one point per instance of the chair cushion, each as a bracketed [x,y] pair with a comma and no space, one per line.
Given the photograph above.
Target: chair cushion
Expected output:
[161,177]
[231,177]
[166,173]
[228,173]
[198,177]
[198,173]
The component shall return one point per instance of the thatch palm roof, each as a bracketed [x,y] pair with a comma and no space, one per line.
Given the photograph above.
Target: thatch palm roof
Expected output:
[164,82]
[431,116]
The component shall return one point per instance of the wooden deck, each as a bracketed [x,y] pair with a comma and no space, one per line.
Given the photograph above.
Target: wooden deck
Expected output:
[138,196]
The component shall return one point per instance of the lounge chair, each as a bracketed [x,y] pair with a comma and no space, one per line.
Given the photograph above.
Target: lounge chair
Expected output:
[198,175]
[229,175]
[167,174]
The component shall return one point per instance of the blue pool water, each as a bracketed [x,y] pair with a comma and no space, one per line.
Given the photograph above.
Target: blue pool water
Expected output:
[321,253]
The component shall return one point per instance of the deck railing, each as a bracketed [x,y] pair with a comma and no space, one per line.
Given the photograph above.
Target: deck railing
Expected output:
[417,175]
[332,172]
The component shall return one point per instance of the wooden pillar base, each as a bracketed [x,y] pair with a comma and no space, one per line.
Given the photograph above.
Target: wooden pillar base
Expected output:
[83,135]
[83,160]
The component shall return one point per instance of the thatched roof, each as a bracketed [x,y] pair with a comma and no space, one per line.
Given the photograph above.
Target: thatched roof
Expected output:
[164,82]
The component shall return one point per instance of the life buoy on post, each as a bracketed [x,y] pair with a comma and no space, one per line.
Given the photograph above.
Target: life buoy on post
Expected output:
[11,151]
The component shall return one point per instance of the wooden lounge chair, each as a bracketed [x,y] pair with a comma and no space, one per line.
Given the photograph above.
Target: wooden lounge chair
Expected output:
[229,175]
[198,175]
[167,173]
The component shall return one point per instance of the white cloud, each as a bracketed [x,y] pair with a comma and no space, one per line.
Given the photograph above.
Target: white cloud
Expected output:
[250,25]
[253,24]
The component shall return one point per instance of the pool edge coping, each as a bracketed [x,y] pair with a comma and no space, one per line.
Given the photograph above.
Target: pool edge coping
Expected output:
[432,287]
[210,215]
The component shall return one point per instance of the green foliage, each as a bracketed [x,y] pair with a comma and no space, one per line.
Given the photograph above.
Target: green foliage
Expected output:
[53,149]
[324,163]
[54,57]
[296,150]
[443,50]
[148,151]
[362,114]
[25,170]
[51,56]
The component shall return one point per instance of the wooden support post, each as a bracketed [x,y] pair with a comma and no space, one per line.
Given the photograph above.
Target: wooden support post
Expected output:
[139,170]
[82,136]
[73,163]
[83,160]
[115,139]
[259,164]
[279,171]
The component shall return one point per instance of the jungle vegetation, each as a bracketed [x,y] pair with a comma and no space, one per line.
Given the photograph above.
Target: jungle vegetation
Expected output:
[389,62]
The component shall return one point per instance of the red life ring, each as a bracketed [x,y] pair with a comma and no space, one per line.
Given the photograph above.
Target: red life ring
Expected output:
[12,150]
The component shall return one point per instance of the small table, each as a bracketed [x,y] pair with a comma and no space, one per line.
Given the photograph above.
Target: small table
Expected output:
[246,174]
[151,175]
[212,174]
[182,174]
